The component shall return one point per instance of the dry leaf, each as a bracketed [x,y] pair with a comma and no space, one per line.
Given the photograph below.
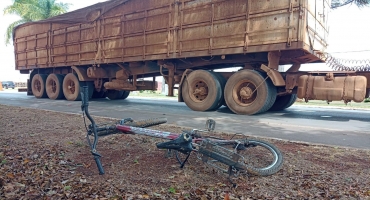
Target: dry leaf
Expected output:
[227,197]
[26,161]
[10,175]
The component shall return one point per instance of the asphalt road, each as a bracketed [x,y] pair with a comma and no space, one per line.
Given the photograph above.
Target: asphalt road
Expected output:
[338,127]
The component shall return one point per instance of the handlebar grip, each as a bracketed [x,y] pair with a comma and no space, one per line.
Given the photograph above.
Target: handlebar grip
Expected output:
[99,165]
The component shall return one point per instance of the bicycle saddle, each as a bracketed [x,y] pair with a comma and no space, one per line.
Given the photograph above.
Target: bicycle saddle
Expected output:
[182,144]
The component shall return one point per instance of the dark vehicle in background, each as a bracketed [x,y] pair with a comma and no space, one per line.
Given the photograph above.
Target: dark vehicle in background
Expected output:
[8,84]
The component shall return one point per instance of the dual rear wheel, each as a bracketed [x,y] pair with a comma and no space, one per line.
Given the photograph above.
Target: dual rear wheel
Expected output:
[246,92]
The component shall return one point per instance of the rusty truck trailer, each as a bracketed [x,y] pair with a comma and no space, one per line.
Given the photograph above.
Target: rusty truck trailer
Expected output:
[111,46]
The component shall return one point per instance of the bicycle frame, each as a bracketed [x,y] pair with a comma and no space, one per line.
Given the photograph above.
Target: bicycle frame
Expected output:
[147,132]
[167,135]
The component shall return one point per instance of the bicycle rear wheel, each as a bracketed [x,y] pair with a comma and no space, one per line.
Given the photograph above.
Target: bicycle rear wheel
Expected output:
[260,158]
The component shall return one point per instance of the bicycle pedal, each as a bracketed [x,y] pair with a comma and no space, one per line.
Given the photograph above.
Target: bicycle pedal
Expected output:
[123,121]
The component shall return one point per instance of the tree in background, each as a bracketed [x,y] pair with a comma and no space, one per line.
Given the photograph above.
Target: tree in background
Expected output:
[359,3]
[32,10]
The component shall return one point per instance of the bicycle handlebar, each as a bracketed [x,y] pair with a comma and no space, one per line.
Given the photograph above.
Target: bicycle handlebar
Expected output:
[98,163]
[85,109]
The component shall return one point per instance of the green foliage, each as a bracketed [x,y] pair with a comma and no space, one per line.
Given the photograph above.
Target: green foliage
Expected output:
[172,190]
[67,187]
[367,100]
[32,10]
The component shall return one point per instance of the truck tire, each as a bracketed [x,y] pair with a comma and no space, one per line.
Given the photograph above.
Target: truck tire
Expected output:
[72,87]
[201,91]
[247,93]
[272,91]
[114,94]
[98,95]
[125,94]
[54,84]
[222,81]
[90,85]
[283,102]
[38,85]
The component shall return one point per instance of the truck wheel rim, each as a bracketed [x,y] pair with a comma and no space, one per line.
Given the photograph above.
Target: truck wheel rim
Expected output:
[199,90]
[71,87]
[37,85]
[244,93]
[53,86]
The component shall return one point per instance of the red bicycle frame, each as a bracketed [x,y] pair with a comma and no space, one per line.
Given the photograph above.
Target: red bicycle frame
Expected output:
[147,132]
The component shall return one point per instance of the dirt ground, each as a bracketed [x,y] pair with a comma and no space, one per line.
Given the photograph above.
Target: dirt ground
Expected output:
[44,155]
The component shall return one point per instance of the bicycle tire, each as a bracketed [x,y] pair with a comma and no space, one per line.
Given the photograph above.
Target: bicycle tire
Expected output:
[146,122]
[271,168]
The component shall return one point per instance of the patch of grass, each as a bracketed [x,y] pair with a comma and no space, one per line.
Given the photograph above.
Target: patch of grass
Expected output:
[79,144]
[67,187]
[172,190]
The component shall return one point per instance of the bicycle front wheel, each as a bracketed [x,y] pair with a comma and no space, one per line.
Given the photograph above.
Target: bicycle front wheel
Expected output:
[260,158]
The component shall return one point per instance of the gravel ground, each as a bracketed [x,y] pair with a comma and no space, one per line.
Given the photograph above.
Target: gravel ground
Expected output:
[44,155]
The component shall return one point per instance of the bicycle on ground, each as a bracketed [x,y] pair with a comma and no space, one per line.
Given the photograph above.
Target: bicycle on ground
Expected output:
[231,156]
